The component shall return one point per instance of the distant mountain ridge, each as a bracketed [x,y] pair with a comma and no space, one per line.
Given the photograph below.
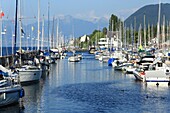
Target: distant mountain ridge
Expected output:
[68,26]
[151,15]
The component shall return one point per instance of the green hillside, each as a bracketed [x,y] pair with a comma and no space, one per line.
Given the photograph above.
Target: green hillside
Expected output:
[151,15]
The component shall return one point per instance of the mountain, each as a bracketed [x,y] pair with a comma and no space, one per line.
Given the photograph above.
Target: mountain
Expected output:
[78,27]
[151,15]
[70,26]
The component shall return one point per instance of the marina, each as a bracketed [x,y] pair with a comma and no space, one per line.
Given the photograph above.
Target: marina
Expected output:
[81,63]
[90,86]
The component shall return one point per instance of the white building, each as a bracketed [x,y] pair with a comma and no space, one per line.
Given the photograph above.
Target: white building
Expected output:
[84,38]
[112,41]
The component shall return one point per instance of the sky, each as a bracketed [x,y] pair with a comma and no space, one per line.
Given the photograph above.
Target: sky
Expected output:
[83,9]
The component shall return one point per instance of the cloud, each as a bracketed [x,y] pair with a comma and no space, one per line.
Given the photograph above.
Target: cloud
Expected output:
[90,16]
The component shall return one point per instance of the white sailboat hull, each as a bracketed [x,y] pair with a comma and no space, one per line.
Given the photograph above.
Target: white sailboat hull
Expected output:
[30,75]
[74,59]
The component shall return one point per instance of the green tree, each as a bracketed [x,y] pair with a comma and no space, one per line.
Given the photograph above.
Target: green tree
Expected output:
[104,31]
[114,23]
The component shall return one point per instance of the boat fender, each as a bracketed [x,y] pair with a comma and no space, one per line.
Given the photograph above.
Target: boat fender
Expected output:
[110,61]
[168,83]
[22,93]
[157,84]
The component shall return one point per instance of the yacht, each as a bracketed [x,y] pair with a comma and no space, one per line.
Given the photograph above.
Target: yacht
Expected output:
[158,74]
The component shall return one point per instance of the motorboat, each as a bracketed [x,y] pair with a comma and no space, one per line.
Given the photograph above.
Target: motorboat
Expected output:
[139,74]
[158,74]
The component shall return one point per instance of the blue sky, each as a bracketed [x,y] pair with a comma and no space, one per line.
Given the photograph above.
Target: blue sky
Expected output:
[84,9]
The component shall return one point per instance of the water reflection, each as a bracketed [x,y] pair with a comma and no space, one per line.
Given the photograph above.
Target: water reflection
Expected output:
[11,109]
[32,99]
[89,86]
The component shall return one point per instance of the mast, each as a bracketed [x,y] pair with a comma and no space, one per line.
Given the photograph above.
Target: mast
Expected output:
[57,33]
[48,27]
[167,37]
[20,28]
[152,34]
[16,11]
[120,34]
[158,24]
[125,37]
[163,33]
[38,41]
[140,37]
[149,35]
[42,40]
[1,34]
[144,31]
[134,32]
[132,38]
[52,35]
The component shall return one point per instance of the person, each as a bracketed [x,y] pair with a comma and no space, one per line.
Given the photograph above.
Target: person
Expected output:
[36,61]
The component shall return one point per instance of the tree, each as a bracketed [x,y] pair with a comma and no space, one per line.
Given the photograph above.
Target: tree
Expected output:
[114,23]
[104,31]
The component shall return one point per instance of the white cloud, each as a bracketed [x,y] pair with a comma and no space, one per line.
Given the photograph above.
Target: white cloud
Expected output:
[90,16]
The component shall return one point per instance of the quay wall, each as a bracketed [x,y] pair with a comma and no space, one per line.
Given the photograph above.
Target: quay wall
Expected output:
[8,61]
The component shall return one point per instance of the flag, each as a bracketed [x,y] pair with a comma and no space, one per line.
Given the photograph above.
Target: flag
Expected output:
[2,14]
[32,28]
[22,31]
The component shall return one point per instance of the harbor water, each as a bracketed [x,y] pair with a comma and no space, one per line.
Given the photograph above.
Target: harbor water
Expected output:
[90,86]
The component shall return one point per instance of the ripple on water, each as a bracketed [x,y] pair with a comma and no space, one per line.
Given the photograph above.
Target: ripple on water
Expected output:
[98,96]
[108,97]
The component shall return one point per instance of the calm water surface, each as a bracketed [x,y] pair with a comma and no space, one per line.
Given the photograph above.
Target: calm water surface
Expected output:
[91,87]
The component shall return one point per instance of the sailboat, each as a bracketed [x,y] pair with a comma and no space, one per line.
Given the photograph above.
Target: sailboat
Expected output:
[10,91]
[29,72]
[74,57]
